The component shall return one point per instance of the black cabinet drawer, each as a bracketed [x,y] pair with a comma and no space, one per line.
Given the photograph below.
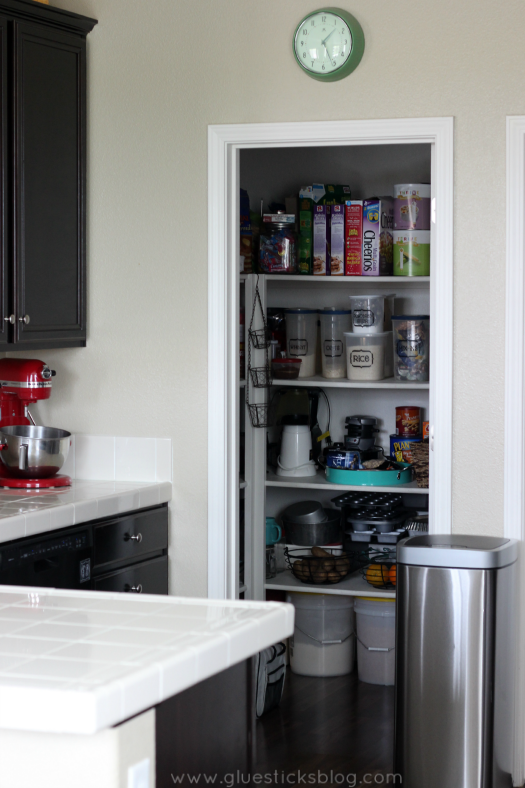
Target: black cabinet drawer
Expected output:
[129,538]
[147,577]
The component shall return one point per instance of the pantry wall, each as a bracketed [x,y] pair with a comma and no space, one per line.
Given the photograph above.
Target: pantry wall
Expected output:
[272,161]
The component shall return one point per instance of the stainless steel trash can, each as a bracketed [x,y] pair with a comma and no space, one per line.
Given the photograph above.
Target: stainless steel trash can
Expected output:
[455,648]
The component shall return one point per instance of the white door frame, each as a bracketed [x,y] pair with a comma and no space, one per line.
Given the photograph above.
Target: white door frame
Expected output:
[514,466]
[224,144]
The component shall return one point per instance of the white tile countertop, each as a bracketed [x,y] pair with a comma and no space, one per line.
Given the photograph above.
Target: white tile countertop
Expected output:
[80,661]
[35,512]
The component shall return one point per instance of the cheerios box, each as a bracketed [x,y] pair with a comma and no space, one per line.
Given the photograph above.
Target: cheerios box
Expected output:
[378,223]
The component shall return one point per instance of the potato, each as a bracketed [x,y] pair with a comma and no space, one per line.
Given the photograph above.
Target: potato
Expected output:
[342,565]
[319,575]
[320,553]
[334,577]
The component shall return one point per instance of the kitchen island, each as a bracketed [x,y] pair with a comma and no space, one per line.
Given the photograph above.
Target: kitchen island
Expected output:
[85,675]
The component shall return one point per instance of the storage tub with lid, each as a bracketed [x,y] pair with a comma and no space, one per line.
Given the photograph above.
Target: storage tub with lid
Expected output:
[334,324]
[323,639]
[376,640]
[301,338]
[368,313]
[365,355]
[286,368]
[411,337]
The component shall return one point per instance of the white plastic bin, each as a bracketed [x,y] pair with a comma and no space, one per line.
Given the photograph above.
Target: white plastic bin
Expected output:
[323,639]
[376,640]
[368,313]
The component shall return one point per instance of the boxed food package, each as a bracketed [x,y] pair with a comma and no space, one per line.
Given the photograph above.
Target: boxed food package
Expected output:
[337,240]
[306,206]
[319,243]
[246,252]
[353,237]
[333,194]
[378,221]
[426,431]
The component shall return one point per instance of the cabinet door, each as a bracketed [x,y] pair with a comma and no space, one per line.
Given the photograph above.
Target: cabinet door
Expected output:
[125,540]
[4,194]
[148,577]
[49,184]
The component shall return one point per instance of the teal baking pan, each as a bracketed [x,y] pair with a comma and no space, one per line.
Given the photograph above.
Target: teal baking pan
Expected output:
[370,478]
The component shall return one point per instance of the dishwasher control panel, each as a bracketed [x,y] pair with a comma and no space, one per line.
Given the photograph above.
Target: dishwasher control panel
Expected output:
[47,548]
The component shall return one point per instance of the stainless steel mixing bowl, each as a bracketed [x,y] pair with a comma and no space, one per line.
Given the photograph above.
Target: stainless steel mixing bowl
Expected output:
[28,452]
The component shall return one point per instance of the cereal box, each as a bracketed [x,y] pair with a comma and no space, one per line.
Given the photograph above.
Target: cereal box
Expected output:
[353,237]
[306,206]
[337,240]
[378,220]
[320,239]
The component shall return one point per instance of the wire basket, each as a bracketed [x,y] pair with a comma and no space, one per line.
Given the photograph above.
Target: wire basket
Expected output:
[261,377]
[259,415]
[325,570]
[260,338]
[381,572]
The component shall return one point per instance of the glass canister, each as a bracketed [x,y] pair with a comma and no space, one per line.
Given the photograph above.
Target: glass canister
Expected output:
[334,324]
[278,244]
[411,347]
[368,313]
[301,338]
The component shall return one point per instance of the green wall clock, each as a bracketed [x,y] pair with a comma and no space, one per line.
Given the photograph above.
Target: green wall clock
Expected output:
[328,44]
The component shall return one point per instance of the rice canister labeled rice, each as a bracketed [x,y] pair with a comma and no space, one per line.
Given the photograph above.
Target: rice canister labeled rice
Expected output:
[401,448]
[411,252]
[412,206]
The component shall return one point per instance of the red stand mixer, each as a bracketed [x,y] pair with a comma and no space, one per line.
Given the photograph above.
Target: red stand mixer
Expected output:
[30,456]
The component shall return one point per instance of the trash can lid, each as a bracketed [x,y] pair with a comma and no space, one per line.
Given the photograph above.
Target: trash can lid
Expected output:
[456,551]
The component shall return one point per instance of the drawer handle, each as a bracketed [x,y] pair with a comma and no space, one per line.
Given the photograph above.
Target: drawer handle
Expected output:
[133,589]
[133,538]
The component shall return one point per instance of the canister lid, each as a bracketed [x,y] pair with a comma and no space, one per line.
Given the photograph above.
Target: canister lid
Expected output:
[410,317]
[328,310]
[456,551]
[301,311]
[286,361]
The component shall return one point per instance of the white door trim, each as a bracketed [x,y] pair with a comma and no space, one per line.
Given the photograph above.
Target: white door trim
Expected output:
[224,143]
[514,465]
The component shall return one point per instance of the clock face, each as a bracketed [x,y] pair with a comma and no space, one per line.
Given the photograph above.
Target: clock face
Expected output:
[329,44]
[323,43]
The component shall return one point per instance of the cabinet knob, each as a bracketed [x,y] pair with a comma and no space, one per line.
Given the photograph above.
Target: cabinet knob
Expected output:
[133,589]
[10,319]
[133,538]
[25,320]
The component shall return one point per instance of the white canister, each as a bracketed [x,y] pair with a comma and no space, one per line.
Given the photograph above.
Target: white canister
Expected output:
[368,313]
[301,338]
[365,356]
[334,324]
[412,206]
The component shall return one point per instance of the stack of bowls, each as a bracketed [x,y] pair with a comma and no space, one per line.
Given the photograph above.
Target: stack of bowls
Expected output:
[308,524]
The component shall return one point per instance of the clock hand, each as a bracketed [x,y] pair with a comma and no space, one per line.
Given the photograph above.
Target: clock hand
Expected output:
[327,37]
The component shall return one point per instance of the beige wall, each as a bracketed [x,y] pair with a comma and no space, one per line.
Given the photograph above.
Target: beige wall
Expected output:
[160,72]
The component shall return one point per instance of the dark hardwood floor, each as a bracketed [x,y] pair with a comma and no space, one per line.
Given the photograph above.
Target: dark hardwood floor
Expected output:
[335,724]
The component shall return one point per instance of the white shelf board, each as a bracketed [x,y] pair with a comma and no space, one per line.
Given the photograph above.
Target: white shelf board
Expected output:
[341,280]
[353,585]
[319,482]
[242,383]
[344,383]
[242,483]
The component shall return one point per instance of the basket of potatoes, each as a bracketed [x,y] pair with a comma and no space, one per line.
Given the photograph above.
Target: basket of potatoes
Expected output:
[319,566]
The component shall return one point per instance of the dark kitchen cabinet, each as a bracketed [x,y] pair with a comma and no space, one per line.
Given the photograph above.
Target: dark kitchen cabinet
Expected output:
[43,176]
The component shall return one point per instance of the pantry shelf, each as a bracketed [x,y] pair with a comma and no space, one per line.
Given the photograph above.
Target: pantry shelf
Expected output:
[344,383]
[354,585]
[242,483]
[369,281]
[319,482]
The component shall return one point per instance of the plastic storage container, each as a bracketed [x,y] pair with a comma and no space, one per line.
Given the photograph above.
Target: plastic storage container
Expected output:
[365,356]
[411,334]
[286,368]
[323,639]
[334,324]
[301,338]
[376,640]
[368,313]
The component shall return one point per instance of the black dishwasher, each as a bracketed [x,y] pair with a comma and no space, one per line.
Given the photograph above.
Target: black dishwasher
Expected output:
[126,553]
